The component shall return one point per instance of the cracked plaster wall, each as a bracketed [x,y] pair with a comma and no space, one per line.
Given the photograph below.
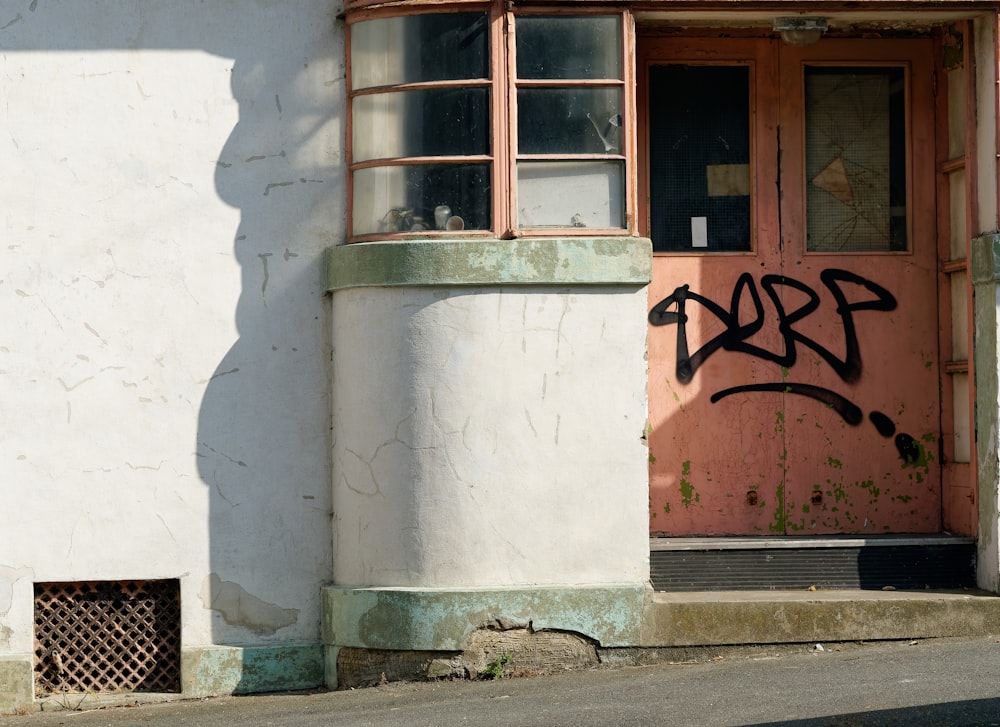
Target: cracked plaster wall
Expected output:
[172,176]
[501,446]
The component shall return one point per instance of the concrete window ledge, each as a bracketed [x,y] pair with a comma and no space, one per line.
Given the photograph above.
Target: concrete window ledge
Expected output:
[529,261]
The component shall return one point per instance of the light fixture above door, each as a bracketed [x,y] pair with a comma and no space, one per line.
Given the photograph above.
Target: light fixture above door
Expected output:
[800,30]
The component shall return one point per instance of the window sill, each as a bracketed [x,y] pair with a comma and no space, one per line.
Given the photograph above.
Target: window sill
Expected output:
[525,261]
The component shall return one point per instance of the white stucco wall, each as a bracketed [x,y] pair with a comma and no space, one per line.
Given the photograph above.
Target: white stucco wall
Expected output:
[502,445]
[171,174]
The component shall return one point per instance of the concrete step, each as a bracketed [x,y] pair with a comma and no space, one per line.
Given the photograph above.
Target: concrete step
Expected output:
[779,617]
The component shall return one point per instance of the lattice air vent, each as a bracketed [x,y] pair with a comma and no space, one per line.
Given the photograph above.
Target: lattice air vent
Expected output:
[107,636]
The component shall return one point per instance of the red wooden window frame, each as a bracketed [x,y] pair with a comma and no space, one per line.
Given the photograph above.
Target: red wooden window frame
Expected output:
[503,85]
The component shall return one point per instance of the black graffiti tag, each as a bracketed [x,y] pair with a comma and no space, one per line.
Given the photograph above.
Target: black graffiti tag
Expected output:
[737,333]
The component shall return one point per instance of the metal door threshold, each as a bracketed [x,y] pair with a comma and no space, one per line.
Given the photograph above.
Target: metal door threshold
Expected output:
[805,541]
[901,562]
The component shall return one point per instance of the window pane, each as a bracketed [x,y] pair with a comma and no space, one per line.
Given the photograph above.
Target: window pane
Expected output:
[569,121]
[416,48]
[855,159]
[571,194]
[405,198]
[560,46]
[434,122]
[699,158]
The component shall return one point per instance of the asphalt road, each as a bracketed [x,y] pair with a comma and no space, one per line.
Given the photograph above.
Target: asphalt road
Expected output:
[937,682]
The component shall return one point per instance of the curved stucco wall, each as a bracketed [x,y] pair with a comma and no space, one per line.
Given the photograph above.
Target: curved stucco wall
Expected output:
[490,435]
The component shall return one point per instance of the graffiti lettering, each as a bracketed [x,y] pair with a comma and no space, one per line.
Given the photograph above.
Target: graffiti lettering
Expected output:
[846,408]
[737,333]
[735,336]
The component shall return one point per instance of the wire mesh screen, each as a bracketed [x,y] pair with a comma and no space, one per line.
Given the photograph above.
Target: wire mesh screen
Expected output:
[107,636]
[855,159]
[699,127]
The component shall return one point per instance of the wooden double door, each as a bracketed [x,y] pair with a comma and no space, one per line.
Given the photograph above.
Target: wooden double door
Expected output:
[793,313]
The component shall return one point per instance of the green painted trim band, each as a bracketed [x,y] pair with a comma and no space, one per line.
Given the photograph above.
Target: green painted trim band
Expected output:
[214,670]
[535,261]
[985,264]
[443,620]
[206,671]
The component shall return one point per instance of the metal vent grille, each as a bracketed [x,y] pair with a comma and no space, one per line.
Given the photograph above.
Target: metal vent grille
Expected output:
[870,568]
[107,636]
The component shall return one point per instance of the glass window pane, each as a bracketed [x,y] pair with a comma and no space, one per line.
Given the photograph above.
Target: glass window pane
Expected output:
[414,198]
[561,46]
[571,194]
[699,158]
[416,48]
[432,122]
[569,121]
[855,159]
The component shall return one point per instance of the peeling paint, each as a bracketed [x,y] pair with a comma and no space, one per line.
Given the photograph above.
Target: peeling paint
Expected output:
[688,495]
[780,517]
[240,608]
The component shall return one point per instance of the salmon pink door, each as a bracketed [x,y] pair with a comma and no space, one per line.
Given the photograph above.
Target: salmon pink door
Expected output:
[793,364]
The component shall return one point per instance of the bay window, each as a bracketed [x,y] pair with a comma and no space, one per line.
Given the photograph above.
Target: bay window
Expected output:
[484,121]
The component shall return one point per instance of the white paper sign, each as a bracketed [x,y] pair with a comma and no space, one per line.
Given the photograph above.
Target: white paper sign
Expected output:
[699,232]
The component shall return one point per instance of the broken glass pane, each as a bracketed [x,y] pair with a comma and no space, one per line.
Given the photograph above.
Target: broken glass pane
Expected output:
[569,121]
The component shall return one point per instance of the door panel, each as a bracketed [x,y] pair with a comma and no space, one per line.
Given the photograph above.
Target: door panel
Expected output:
[793,388]
[880,325]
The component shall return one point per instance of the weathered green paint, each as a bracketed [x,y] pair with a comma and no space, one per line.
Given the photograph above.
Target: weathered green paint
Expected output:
[985,266]
[688,495]
[873,490]
[984,272]
[206,671]
[536,261]
[16,684]
[330,654]
[442,620]
[921,462]
[215,670]
[780,517]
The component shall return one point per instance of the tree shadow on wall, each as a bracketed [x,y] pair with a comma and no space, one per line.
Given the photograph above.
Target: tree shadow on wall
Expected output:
[262,443]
